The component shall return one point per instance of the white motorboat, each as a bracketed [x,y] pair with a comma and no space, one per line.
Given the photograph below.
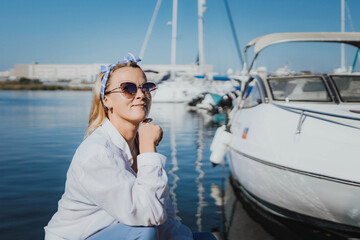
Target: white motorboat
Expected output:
[187,87]
[293,142]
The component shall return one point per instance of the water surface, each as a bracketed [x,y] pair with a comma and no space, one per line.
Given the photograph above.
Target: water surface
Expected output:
[39,133]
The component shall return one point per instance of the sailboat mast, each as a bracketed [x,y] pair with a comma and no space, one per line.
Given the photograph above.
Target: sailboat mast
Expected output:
[173,38]
[343,65]
[201,9]
[148,33]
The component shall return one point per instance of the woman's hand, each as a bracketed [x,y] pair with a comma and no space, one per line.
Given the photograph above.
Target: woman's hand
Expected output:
[150,136]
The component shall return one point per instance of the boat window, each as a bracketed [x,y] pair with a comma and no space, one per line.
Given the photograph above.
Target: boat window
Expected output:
[299,89]
[252,95]
[348,87]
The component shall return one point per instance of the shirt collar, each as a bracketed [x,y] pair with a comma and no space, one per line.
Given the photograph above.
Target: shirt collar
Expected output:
[117,139]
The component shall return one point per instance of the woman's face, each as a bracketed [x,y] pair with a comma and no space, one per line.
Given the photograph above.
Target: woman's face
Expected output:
[134,109]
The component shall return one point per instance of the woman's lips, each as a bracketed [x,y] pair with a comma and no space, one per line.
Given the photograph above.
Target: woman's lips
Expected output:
[139,105]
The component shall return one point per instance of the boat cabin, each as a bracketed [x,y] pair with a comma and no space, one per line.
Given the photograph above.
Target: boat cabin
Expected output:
[309,88]
[319,88]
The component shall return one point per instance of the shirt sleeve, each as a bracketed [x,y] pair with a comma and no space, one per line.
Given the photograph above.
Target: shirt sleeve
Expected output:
[132,200]
[173,229]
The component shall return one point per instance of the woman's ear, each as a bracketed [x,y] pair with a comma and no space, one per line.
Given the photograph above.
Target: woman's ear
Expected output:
[106,109]
[106,105]
[106,102]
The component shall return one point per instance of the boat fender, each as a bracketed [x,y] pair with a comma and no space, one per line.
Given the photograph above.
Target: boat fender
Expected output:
[219,145]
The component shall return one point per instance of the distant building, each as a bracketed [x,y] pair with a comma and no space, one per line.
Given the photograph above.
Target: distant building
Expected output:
[56,72]
[4,74]
[87,72]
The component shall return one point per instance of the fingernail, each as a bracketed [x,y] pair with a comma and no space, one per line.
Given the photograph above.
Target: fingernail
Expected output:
[147,120]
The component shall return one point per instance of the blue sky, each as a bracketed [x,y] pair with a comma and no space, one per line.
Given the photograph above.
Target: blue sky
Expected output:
[94,31]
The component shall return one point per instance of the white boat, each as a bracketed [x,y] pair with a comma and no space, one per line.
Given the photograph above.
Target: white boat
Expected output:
[186,87]
[183,87]
[293,142]
[180,89]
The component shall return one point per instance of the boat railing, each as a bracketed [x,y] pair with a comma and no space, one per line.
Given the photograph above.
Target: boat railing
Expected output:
[317,112]
[304,112]
[264,95]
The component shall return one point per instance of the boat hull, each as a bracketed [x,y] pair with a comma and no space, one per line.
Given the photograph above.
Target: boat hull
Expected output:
[334,202]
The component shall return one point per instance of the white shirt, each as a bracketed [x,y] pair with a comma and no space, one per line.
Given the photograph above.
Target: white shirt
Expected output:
[102,189]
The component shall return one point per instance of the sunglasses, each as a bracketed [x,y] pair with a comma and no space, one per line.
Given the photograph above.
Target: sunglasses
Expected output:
[129,89]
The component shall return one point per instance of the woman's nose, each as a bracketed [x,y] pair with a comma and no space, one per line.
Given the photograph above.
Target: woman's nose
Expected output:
[140,93]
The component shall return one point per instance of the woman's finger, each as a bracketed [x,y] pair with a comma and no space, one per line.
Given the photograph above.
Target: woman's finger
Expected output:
[161,136]
[147,120]
[159,139]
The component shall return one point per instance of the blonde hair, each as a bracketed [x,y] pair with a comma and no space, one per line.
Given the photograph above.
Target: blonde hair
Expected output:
[98,112]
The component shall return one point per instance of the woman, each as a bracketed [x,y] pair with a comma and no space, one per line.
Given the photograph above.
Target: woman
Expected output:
[116,185]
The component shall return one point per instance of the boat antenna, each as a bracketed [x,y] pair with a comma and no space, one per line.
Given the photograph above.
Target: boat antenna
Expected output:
[201,9]
[342,60]
[349,17]
[151,25]
[173,37]
[353,30]
[355,59]
[234,32]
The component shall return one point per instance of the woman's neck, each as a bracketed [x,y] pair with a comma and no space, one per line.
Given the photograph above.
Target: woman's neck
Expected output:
[128,130]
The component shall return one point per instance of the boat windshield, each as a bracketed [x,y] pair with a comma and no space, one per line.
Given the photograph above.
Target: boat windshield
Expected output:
[299,89]
[348,87]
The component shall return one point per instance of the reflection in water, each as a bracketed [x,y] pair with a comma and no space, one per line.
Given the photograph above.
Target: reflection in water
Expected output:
[216,194]
[200,186]
[174,168]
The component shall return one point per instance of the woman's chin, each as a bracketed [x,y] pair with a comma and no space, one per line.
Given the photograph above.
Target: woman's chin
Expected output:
[140,114]
[139,118]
